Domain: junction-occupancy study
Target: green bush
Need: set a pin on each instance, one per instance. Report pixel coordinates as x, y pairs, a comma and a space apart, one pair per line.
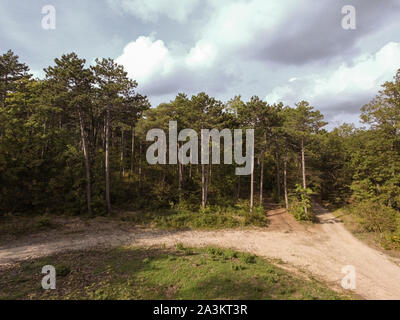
376, 217
299, 202
213, 217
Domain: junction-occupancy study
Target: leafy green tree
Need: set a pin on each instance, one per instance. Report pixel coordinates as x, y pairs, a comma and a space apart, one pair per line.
71, 82
302, 123
11, 71
376, 157
111, 83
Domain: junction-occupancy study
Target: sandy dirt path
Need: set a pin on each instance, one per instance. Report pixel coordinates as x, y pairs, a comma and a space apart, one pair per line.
322, 249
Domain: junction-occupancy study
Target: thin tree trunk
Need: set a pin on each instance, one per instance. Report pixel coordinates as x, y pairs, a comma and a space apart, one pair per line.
122, 163
252, 185
238, 189
108, 202
132, 151
140, 164
104, 135
183, 175
278, 169
203, 181
285, 179
111, 137
262, 179
303, 165
262, 159
208, 171
207, 180
179, 177
87, 163
203, 184
205, 171
209, 174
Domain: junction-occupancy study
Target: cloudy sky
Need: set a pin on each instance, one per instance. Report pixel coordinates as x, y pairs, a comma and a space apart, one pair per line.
286, 50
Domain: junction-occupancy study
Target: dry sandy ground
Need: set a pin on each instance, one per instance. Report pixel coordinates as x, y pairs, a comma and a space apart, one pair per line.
322, 249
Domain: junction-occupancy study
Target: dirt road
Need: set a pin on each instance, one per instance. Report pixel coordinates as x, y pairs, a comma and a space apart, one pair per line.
322, 249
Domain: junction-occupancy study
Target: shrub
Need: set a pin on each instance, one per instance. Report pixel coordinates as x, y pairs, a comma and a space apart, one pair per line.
376, 217
299, 202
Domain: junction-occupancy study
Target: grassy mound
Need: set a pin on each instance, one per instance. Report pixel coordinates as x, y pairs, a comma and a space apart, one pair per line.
138, 273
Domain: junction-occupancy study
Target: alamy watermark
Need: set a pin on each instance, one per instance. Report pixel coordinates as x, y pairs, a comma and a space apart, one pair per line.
349, 21
157, 152
349, 281
49, 18
49, 280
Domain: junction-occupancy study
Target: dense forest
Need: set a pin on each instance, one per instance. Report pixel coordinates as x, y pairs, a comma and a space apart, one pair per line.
75, 143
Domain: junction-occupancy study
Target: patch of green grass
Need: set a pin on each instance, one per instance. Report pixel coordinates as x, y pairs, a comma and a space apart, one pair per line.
374, 223
138, 273
212, 218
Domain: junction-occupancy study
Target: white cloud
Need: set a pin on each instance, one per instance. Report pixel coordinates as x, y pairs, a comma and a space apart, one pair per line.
230, 31
232, 25
151, 10
163, 68
203, 54
367, 74
146, 58
236, 25
363, 78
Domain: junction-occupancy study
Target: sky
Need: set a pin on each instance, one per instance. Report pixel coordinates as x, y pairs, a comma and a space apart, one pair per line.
286, 50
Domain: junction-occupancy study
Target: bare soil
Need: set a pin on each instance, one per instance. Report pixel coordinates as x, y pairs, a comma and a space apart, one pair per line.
321, 249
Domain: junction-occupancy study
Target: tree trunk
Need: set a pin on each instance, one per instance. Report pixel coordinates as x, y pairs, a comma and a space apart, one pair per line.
278, 169
205, 172
140, 164
209, 174
111, 138
122, 163
208, 179
203, 185
285, 179
303, 166
179, 177
252, 185
261, 178
262, 160
87, 163
238, 189
132, 151
108, 202
104, 135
